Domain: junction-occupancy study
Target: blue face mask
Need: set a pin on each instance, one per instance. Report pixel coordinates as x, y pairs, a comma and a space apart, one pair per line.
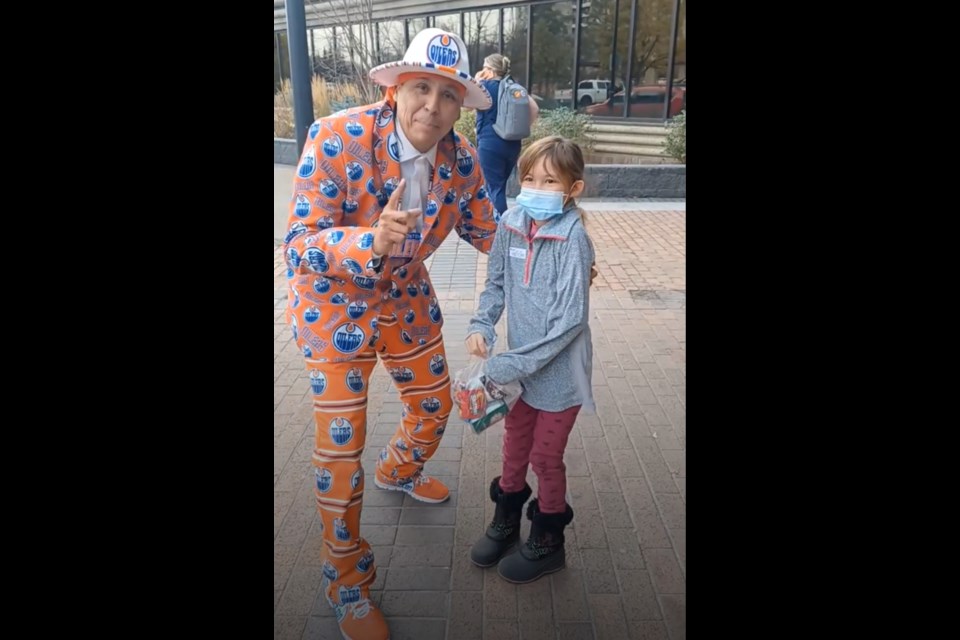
541, 205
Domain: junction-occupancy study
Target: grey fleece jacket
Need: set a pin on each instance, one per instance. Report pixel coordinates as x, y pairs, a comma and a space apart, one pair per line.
545, 284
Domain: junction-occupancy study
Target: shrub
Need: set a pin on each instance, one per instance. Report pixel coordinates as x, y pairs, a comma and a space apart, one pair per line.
467, 125
328, 97
555, 122
675, 144
565, 122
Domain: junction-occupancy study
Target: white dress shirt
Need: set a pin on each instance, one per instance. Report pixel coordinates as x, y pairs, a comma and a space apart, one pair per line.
408, 170
416, 169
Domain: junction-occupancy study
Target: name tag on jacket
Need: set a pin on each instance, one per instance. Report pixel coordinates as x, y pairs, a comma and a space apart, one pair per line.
518, 252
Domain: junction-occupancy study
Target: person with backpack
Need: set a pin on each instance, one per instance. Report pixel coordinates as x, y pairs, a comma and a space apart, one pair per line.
502, 127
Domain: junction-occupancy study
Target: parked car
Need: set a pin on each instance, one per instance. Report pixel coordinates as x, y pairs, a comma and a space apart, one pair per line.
646, 101
588, 92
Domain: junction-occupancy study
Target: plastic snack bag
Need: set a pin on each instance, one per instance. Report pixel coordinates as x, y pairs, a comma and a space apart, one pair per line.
480, 401
468, 391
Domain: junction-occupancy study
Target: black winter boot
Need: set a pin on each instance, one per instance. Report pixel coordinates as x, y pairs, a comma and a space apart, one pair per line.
543, 551
504, 532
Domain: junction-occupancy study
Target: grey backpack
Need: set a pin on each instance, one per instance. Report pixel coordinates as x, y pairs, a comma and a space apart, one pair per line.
513, 111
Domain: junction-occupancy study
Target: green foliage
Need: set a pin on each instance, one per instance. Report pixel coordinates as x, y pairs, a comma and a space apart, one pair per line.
466, 126
565, 122
675, 143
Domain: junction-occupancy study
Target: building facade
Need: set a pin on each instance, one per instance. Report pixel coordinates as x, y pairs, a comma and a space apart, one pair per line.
634, 48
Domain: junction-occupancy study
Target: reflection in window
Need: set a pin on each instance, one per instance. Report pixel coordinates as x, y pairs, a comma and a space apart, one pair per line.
680, 64
482, 36
553, 42
328, 62
346, 53
392, 46
515, 42
277, 71
651, 48
448, 22
415, 26
647, 97
605, 23
362, 46
282, 58
355, 51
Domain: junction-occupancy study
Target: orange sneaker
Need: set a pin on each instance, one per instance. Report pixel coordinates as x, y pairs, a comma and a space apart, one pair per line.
361, 620
419, 486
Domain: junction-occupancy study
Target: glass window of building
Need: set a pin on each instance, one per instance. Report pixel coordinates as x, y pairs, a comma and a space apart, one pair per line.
326, 62
651, 52
276, 64
515, 42
680, 64
392, 46
414, 26
620, 72
361, 43
604, 50
482, 36
281, 55
448, 22
553, 43
355, 51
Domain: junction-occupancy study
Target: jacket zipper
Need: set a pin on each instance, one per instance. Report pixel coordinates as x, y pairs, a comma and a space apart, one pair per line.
529, 260
528, 263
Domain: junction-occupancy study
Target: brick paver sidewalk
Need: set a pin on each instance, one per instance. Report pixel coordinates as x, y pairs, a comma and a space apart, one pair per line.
626, 550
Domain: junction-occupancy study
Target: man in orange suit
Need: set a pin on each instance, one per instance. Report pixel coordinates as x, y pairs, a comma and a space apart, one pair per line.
376, 191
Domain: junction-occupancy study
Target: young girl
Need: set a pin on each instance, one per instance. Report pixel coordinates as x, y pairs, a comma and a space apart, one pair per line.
539, 268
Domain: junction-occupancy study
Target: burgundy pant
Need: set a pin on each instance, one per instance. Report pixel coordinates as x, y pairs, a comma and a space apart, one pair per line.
537, 438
